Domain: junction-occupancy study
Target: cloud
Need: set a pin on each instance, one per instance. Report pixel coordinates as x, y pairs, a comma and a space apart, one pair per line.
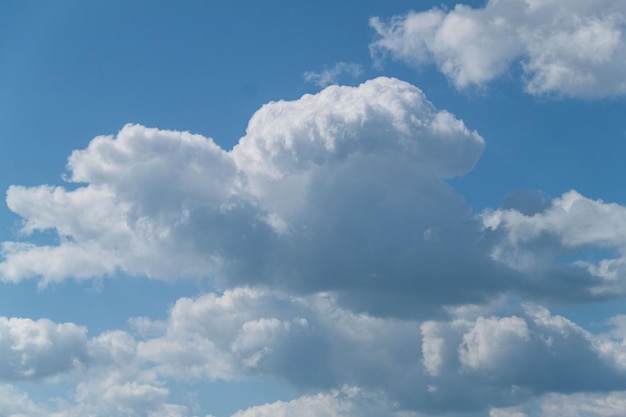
341, 190
114, 394
576, 49
513, 360
477, 362
250, 333
344, 266
584, 405
465, 364
37, 349
346, 402
586, 235
15, 403
331, 75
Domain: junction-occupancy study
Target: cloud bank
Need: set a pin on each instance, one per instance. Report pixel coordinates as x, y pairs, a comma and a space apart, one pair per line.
576, 49
346, 364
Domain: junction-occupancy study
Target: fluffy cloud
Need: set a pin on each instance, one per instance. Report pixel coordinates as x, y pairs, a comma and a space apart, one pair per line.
341, 190
515, 359
309, 343
345, 263
584, 405
37, 349
573, 49
15, 403
117, 393
585, 236
478, 362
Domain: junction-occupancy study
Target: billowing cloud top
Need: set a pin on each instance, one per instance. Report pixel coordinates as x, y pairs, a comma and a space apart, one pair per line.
573, 48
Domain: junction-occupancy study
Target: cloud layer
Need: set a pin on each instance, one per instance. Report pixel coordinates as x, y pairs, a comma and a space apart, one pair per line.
573, 49
478, 362
343, 265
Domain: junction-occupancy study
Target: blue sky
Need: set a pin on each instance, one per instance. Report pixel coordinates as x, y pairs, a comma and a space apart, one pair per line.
249, 209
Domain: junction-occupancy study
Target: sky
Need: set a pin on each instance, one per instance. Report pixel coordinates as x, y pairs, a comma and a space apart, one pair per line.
316, 209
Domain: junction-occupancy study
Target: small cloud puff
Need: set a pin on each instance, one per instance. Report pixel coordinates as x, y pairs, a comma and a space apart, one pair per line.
332, 75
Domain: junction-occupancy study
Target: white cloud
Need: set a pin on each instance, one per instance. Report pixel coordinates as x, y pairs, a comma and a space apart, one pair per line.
36, 349
331, 75
584, 405
307, 342
113, 393
15, 403
513, 360
107, 375
432, 347
576, 48
569, 225
469, 365
464, 364
506, 412
574, 219
334, 190
333, 234
491, 337
345, 402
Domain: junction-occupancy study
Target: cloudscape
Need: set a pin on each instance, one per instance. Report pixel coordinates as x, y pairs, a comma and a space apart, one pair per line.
317, 210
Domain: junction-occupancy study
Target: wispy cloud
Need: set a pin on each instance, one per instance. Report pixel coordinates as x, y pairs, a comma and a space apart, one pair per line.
332, 75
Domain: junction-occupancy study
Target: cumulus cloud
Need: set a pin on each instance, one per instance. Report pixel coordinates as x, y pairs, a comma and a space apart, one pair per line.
309, 343
331, 75
116, 394
478, 362
586, 235
465, 364
36, 349
15, 403
574, 49
341, 190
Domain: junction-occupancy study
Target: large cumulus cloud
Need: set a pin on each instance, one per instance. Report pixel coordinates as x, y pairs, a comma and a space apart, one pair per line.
574, 48
464, 364
342, 190
37, 349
